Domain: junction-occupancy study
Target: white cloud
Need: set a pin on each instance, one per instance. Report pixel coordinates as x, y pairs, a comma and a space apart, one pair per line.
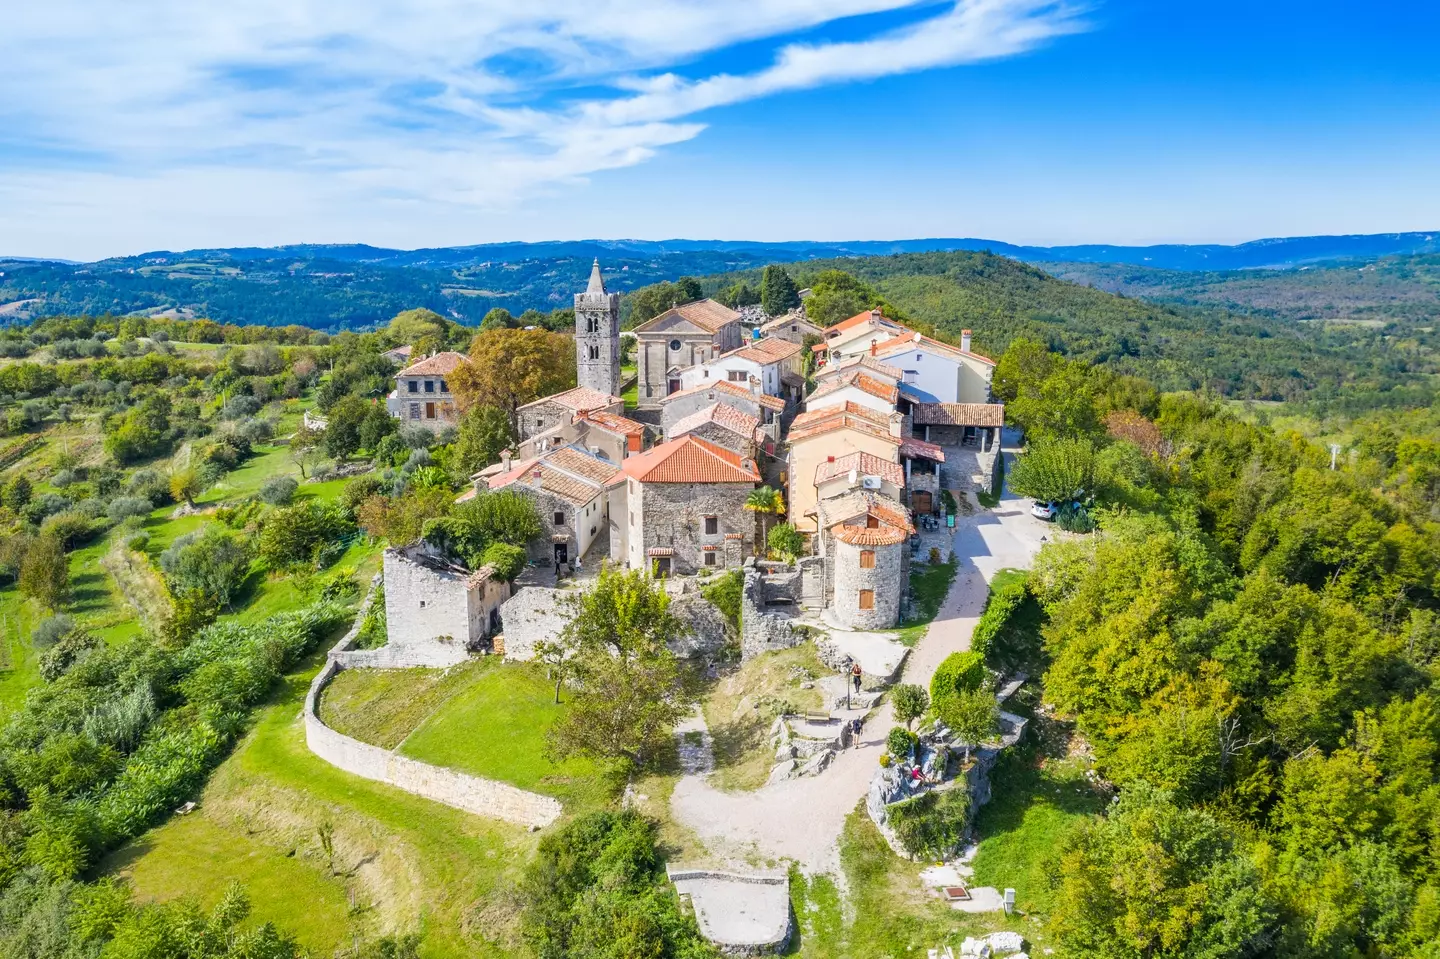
481, 104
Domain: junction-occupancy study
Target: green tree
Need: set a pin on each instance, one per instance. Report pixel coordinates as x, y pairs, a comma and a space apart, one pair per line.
509, 368
342, 427
415, 326
213, 562
508, 561
777, 291
909, 702
306, 447
972, 715
484, 432
45, 572
377, 424
498, 319
762, 502
1054, 470
293, 536
785, 540
961, 671
185, 485
16, 493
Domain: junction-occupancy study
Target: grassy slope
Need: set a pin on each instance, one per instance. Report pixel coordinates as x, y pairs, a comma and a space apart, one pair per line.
928, 586
383, 706
740, 708
405, 863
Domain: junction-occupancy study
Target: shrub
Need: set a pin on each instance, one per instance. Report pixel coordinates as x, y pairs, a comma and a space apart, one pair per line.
415, 437
68, 651
238, 407
374, 632
900, 741
724, 594
785, 540
909, 702
359, 489
123, 507
278, 490
51, 630
63, 479
298, 535
885, 761
957, 673
137, 541
508, 560
150, 484
1001, 605
70, 528
46, 504
212, 562
932, 824
391, 450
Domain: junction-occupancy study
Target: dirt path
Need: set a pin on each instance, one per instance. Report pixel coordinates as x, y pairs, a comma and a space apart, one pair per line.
801, 819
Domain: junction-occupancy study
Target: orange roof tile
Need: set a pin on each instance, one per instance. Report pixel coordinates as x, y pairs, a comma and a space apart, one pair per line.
860, 318
572, 475
581, 399
706, 314
614, 422
825, 412
721, 414
690, 459
923, 449
856, 535
770, 349
866, 464
860, 360
437, 365
958, 414
770, 402
904, 344
858, 379
841, 422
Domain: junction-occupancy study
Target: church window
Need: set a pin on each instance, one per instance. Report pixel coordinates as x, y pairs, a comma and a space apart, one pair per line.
675, 345
592, 324
594, 352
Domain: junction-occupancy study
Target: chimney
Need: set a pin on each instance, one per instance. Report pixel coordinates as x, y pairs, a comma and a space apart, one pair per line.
965, 340
874, 345
877, 314
505, 460
829, 459
897, 424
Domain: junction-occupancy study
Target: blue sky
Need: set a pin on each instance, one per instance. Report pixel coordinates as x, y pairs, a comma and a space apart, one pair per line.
157, 124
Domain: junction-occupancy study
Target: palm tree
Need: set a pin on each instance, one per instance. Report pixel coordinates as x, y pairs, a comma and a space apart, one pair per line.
762, 502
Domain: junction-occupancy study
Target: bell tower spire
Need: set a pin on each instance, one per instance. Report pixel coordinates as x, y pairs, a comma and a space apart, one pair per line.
597, 335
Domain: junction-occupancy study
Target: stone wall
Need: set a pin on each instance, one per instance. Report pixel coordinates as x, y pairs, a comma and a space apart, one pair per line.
541, 416
760, 629
427, 611
724, 438
706, 630
673, 517
483, 797
885, 581
533, 614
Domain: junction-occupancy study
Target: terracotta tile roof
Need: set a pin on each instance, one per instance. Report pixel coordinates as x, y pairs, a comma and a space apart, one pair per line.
861, 381
904, 344
958, 414
860, 318
866, 464
837, 510
786, 320
810, 417
770, 349
614, 422
572, 460
660, 551
437, 365
771, 402
857, 535
469, 494
690, 459
921, 449
572, 475
706, 314
400, 352
580, 399
721, 414
842, 421
864, 360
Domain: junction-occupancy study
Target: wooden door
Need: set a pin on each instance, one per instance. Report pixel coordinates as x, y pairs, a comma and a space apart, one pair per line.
921, 501
429, 411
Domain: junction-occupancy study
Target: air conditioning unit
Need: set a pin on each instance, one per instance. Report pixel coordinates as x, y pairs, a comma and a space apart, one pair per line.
871, 482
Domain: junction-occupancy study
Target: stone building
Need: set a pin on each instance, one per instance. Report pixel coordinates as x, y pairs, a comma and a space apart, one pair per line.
608, 436
558, 409
422, 393
568, 487
792, 326
437, 612
680, 507
743, 397
867, 558
772, 364
858, 386
678, 338
969, 434
597, 336
722, 425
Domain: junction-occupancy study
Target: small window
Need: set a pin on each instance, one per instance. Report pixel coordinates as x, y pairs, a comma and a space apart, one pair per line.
444, 387
414, 411
592, 325
738, 376
911, 376
872, 523
414, 385
429, 386
712, 525
594, 352
867, 599
559, 518
709, 559
422, 604
675, 345
867, 559
539, 422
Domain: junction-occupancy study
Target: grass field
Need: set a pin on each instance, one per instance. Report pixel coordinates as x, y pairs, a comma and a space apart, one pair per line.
928, 586
383, 706
402, 863
495, 725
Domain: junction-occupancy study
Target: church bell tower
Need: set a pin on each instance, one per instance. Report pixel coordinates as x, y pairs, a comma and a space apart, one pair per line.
597, 336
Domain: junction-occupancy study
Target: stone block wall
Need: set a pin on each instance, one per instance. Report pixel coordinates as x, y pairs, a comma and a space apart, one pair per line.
761, 630
427, 611
533, 614
886, 581
673, 516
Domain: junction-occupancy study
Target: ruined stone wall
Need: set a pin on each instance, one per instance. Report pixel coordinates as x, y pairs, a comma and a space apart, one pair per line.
533, 614
760, 629
427, 612
674, 518
886, 581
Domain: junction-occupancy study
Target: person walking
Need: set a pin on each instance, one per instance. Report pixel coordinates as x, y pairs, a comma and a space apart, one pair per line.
855, 674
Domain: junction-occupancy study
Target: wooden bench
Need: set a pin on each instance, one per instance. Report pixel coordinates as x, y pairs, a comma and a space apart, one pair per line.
817, 717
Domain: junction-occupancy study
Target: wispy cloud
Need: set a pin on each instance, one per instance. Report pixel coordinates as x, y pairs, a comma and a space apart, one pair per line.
482, 103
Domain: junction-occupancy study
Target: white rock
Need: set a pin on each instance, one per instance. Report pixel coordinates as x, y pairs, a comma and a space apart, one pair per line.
1004, 943
817, 763
782, 771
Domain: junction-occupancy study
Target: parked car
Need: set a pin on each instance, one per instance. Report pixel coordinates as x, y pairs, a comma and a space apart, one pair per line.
1044, 510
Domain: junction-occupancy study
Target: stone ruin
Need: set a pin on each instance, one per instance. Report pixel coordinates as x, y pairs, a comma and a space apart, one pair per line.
769, 602
805, 747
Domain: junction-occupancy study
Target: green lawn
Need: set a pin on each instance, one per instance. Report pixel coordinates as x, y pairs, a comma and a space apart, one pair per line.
383, 706
1033, 807
928, 587
495, 727
19, 662
402, 863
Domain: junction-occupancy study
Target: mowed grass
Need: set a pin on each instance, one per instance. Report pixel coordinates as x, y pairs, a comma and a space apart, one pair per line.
19, 661
494, 726
383, 706
1035, 804
402, 863
928, 588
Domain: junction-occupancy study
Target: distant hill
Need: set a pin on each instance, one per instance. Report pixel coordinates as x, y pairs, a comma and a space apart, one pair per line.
351, 286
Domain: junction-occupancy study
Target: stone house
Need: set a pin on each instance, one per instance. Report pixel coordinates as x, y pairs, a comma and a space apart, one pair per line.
558, 409
867, 559
936, 372
422, 393
680, 507
856, 385
969, 434
568, 486
748, 400
678, 338
774, 364
842, 475
436, 612
792, 326
722, 425
400, 355
608, 436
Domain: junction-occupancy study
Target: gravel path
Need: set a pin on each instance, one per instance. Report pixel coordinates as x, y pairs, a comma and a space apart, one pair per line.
801, 819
